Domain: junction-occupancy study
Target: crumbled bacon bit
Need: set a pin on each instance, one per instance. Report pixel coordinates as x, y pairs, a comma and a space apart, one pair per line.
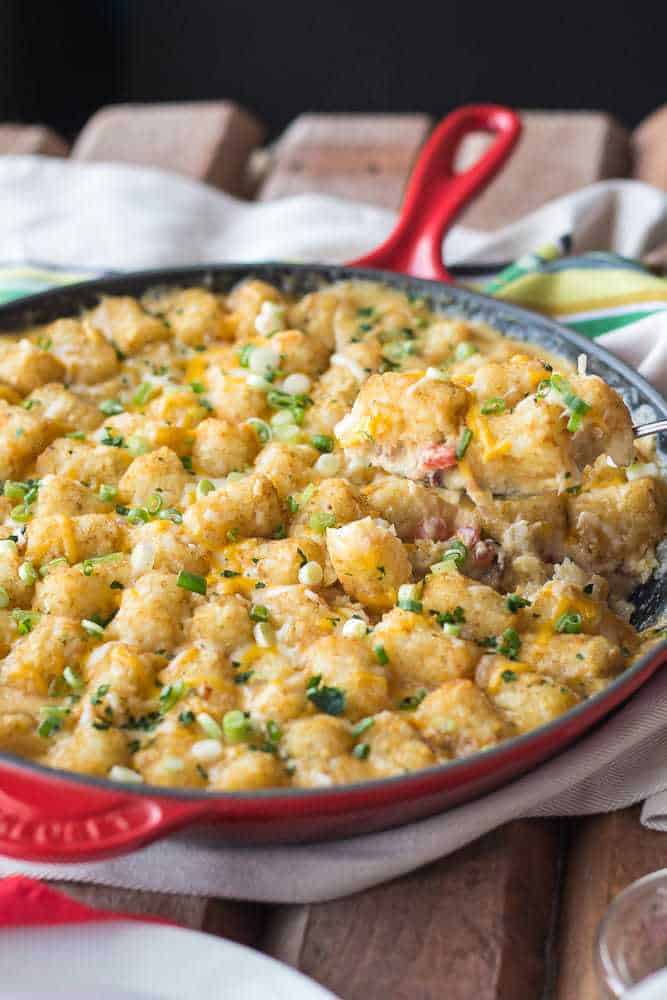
469, 535
485, 553
434, 528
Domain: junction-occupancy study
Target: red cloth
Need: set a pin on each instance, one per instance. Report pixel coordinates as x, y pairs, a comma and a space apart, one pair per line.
26, 902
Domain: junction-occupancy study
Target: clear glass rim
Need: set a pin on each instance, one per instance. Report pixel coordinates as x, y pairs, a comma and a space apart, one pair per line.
607, 967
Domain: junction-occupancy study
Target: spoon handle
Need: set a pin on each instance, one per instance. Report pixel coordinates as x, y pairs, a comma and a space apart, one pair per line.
643, 430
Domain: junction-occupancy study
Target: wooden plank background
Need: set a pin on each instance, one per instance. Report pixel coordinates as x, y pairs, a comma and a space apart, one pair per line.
513, 915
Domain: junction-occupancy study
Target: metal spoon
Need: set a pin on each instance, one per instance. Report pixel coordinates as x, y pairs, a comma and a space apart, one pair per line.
655, 427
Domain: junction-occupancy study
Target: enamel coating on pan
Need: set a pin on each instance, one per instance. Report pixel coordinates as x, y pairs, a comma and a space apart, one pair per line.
49, 815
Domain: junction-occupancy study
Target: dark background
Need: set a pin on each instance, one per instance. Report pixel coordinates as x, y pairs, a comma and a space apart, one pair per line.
61, 61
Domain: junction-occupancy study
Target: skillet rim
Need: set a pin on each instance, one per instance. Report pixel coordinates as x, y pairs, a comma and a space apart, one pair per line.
67, 299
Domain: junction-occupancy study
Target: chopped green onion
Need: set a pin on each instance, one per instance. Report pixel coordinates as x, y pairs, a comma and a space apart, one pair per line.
53, 718
516, 601
450, 629
76, 436
274, 735
263, 635
72, 678
261, 429
323, 442
292, 504
413, 701
138, 515
361, 751
236, 726
137, 445
28, 573
321, 521
465, 350
409, 605
574, 423
51, 565
14, 490
508, 676
258, 613
111, 407
154, 503
244, 355
170, 695
381, 655
108, 493
25, 620
144, 393
296, 403
170, 514
454, 556
307, 493
575, 405
33, 490
22, 512
464, 441
88, 565
493, 405
111, 439
191, 581
243, 677
362, 726
204, 487
198, 387
455, 617
91, 627
208, 725
570, 623
330, 700
511, 644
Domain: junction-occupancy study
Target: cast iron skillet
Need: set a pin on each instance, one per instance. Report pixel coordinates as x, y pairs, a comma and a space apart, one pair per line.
49, 815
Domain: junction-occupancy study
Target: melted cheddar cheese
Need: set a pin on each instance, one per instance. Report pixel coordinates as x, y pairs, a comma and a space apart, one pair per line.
250, 540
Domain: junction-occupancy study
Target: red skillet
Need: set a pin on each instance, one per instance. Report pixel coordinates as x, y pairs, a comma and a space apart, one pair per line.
48, 815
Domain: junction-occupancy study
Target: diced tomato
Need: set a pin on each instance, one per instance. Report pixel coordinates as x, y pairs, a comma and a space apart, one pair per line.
439, 456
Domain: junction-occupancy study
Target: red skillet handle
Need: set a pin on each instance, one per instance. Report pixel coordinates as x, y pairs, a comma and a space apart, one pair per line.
436, 195
51, 821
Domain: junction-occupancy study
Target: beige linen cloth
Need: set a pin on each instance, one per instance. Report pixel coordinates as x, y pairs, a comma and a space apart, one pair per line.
101, 217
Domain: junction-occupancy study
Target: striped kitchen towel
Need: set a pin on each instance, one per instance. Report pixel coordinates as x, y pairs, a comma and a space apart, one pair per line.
593, 293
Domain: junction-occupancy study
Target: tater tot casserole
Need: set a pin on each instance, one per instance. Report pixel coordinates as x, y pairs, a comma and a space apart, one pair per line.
257, 540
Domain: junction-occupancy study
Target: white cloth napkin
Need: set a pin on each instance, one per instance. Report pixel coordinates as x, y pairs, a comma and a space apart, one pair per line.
117, 217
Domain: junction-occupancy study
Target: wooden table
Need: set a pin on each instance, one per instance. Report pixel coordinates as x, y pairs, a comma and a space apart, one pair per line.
512, 916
